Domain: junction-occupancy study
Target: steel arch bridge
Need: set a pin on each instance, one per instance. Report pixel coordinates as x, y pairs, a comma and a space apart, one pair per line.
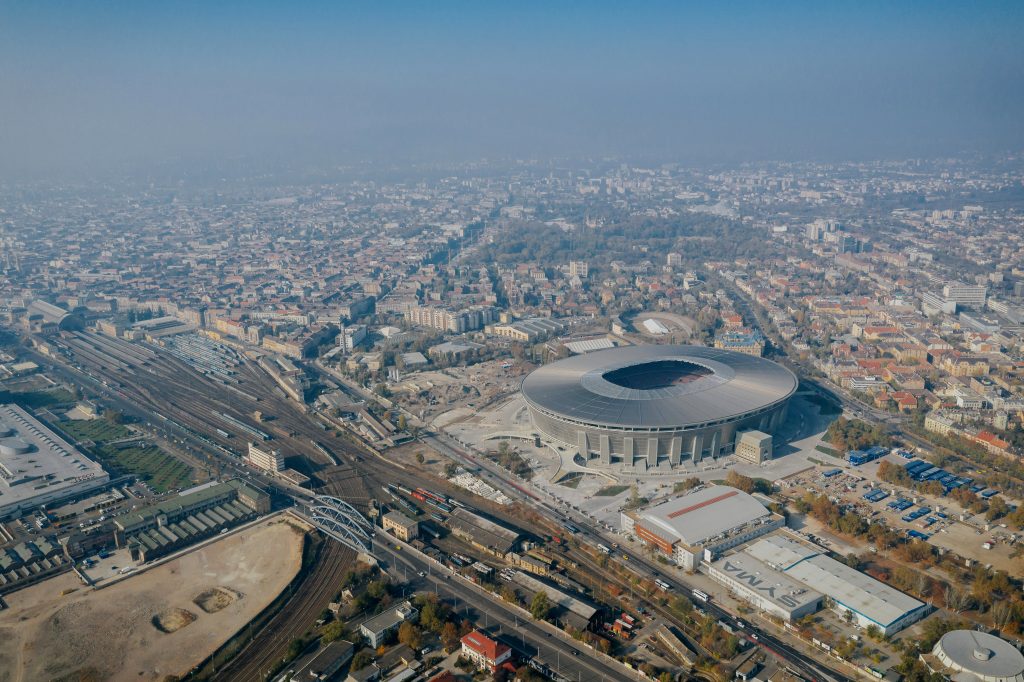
340, 520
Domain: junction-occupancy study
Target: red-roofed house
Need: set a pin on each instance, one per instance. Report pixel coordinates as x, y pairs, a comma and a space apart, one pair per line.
905, 400
486, 653
992, 443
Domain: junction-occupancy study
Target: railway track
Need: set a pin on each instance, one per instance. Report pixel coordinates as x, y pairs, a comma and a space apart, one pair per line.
168, 386
295, 618
298, 615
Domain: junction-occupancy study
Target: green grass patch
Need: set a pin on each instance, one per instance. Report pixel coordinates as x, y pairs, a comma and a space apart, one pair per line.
611, 490
33, 400
96, 430
831, 452
151, 464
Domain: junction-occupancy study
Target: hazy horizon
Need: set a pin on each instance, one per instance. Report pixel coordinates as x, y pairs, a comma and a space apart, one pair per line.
89, 89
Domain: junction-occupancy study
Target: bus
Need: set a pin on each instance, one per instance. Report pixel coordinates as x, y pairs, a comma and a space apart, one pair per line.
604, 549
662, 585
701, 595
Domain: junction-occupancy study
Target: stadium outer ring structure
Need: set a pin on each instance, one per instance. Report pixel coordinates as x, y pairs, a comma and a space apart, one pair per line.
639, 408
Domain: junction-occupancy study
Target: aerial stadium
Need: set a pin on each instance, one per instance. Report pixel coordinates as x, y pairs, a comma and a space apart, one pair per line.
642, 408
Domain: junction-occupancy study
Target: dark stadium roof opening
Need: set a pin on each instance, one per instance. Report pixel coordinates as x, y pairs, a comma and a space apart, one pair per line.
658, 374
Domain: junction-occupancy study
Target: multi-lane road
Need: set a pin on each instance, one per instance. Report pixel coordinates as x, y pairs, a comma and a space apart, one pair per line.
594, 534
190, 399
531, 639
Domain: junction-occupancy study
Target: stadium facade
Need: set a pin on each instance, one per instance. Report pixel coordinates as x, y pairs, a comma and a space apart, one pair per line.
641, 408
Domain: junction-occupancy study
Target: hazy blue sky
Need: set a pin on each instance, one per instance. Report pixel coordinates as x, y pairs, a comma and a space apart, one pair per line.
93, 84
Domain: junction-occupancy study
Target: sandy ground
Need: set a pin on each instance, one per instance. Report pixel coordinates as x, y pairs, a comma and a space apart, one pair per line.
112, 634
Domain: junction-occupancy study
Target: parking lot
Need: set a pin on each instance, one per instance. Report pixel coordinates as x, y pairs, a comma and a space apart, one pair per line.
936, 519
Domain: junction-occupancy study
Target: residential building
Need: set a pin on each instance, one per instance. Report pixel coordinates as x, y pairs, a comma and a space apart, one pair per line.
485, 653
378, 629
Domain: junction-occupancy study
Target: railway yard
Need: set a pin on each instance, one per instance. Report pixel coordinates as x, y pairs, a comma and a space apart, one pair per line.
182, 405
204, 402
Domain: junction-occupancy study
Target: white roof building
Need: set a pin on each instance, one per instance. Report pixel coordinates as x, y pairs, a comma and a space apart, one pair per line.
705, 514
39, 467
871, 601
702, 524
971, 656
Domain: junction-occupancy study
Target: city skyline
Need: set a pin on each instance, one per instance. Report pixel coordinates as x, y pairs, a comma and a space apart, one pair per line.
122, 86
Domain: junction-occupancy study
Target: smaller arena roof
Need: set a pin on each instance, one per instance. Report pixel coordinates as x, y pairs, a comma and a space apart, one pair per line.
702, 515
973, 655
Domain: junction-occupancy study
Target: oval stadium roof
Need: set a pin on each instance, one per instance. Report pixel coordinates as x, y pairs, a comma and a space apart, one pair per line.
658, 386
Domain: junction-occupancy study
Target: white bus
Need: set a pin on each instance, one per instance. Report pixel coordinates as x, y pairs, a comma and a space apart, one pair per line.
604, 549
703, 596
662, 585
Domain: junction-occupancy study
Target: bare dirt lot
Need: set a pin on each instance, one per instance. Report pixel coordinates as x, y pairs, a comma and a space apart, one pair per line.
156, 623
216, 599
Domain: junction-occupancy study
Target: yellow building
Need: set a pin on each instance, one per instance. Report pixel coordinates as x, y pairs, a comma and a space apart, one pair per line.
401, 526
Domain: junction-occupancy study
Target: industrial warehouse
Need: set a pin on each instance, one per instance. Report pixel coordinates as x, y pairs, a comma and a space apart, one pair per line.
38, 467
788, 579
780, 576
195, 514
701, 525
649, 408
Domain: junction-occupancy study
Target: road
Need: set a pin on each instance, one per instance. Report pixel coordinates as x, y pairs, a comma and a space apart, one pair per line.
529, 638
594, 534
353, 484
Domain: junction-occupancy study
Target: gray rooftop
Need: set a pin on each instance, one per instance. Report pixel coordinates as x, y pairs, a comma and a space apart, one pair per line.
35, 461
768, 582
985, 656
704, 514
852, 589
658, 386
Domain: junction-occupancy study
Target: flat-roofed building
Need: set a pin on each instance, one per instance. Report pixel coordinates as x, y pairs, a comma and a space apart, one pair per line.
39, 467
702, 524
379, 628
870, 601
754, 447
265, 459
765, 588
400, 525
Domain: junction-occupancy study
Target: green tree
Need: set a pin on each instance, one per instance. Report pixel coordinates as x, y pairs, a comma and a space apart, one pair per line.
540, 606
295, 648
362, 659
334, 631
